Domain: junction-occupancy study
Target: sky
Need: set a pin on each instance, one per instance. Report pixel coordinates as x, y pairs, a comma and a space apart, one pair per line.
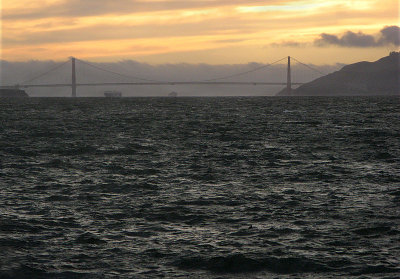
199, 31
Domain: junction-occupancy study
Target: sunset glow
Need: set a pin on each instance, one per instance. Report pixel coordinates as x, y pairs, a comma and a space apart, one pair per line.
164, 31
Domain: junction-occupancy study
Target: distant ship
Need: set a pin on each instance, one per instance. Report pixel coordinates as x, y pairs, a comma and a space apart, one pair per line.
13, 93
173, 94
113, 94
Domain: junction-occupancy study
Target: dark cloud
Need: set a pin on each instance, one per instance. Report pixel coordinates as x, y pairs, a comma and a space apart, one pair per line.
389, 35
349, 39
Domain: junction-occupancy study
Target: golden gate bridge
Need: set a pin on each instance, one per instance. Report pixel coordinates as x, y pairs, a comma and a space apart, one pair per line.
143, 81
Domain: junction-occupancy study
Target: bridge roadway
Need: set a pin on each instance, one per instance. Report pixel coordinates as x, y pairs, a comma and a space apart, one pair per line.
153, 83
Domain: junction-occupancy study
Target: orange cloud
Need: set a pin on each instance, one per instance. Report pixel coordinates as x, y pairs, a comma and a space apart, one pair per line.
107, 29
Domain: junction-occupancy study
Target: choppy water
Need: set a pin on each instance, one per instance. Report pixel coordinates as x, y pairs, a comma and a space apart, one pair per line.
200, 188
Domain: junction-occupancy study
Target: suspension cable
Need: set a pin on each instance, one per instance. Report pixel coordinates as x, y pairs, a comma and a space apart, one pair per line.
312, 68
243, 73
207, 80
152, 80
45, 73
115, 73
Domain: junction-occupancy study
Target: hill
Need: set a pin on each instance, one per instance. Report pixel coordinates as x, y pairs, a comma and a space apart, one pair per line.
381, 77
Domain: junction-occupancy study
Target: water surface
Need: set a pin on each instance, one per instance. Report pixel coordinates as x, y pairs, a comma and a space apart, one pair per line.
200, 187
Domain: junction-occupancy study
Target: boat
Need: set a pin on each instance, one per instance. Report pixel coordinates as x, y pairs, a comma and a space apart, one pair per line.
173, 94
112, 94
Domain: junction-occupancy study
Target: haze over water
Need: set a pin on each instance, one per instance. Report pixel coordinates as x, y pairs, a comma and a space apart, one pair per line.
234, 187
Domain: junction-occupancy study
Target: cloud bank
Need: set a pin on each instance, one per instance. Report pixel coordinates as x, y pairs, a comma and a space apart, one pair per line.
389, 35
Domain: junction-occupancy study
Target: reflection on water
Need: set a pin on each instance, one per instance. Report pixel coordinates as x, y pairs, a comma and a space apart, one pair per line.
200, 188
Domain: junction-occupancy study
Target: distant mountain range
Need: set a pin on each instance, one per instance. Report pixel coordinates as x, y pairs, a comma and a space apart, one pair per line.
381, 77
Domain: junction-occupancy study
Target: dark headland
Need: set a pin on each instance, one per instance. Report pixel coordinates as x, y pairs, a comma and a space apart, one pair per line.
13, 93
380, 78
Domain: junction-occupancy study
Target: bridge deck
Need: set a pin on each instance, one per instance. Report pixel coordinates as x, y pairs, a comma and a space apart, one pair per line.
155, 83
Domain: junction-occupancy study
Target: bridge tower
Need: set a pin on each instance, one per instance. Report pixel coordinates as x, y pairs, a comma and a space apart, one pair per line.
73, 82
289, 79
